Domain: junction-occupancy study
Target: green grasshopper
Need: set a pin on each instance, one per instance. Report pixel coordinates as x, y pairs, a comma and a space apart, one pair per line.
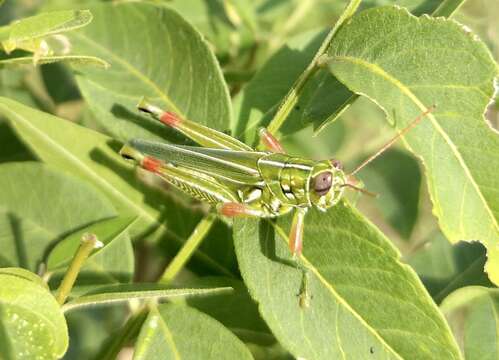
239, 181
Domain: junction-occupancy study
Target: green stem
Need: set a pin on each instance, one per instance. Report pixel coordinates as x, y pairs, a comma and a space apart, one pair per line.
124, 336
188, 249
293, 95
88, 243
291, 98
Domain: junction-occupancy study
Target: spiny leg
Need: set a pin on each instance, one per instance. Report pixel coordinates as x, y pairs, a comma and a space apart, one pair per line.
198, 133
270, 142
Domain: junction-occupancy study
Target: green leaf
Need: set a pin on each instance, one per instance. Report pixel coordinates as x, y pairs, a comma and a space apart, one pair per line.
169, 63
77, 60
357, 288
329, 100
142, 291
112, 263
239, 312
405, 79
38, 206
106, 231
32, 322
397, 178
35, 27
472, 312
445, 267
176, 331
24, 274
94, 157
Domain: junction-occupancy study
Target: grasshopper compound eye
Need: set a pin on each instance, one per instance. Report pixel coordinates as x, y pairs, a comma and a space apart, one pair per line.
322, 183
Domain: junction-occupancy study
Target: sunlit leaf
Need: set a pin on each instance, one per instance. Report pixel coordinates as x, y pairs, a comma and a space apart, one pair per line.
176, 331
169, 63
21, 32
357, 291
458, 148
38, 206
472, 313
32, 322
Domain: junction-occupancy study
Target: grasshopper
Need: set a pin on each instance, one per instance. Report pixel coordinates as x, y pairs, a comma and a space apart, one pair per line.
239, 181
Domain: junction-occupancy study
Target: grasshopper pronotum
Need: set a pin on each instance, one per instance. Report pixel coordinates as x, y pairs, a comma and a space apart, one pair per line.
240, 181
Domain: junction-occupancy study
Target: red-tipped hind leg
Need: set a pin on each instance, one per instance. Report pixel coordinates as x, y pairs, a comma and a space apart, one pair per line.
270, 142
233, 209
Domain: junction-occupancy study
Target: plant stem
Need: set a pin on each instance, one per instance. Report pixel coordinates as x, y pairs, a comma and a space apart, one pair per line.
88, 243
124, 336
291, 98
293, 95
188, 249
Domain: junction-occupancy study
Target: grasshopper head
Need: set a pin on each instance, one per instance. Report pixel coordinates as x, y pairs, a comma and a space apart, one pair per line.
327, 184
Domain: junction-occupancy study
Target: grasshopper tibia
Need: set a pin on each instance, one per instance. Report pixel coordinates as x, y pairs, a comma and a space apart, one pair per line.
296, 233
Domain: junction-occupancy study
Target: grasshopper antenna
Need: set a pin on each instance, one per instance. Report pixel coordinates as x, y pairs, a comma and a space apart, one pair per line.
364, 191
393, 140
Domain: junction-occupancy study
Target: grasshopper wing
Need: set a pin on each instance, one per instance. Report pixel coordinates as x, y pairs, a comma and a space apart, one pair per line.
238, 167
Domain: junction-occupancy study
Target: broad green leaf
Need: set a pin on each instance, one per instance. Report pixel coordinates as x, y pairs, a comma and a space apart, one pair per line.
78, 60
458, 148
327, 102
20, 32
363, 302
32, 322
473, 313
445, 267
106, 231
123, 293
238, 313
112, 263
24, 274
169, 63
94, 157
38, 206
180, 332
397, 178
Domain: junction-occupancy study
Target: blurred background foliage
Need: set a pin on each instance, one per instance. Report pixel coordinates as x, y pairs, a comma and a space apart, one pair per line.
247, 37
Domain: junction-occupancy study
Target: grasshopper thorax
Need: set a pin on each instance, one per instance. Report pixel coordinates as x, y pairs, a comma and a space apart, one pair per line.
327, 183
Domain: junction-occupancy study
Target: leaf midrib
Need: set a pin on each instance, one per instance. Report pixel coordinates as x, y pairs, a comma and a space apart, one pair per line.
338, 297
376, 69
